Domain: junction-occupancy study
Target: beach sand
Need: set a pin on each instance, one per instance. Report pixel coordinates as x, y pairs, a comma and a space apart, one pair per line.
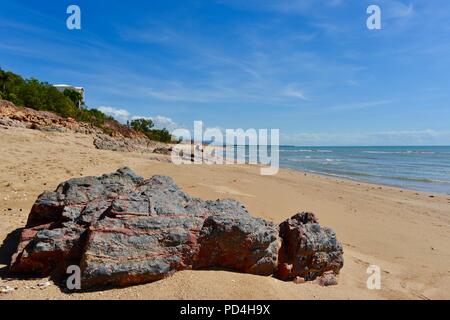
405, 233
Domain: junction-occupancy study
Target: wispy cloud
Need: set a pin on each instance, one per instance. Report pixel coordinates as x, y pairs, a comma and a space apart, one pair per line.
283, 6
295, 92
265, 59
122, 115
398, 9
359, 105
160, 122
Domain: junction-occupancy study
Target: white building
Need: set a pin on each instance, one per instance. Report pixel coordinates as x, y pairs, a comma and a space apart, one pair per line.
62, 87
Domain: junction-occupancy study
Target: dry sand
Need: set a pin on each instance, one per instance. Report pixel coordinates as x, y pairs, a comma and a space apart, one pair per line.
406, 233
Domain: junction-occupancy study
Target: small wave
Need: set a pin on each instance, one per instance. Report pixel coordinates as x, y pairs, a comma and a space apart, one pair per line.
355, 174
426, 180
309, 159
399, 178
307, 150
399, 152
324, 151
337, 175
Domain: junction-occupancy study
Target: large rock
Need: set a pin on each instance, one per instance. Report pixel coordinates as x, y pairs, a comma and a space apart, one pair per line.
123, 230
57, 224
124, 144
233, 239
308, 250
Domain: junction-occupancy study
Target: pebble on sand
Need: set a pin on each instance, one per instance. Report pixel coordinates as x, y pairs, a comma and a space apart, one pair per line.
299, 280
43, 285
327, 279
6, 289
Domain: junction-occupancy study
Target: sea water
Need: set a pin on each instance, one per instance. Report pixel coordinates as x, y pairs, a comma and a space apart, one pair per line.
415, 168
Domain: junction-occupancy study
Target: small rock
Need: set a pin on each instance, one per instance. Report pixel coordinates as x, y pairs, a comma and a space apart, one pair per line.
43, 285
6, 289
299, 280
163, 150
327, 279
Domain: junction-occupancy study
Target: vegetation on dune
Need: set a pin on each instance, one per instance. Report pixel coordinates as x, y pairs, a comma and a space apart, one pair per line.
145, 126
42, 96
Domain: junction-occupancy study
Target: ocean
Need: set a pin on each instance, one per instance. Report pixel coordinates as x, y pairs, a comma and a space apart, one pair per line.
415, 168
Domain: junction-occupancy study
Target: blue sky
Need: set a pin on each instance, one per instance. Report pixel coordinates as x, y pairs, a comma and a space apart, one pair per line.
308, 67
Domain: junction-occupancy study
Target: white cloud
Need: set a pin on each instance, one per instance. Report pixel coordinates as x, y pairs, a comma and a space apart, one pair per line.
398, 9
121, 115
160, 122
293, 92
165, 122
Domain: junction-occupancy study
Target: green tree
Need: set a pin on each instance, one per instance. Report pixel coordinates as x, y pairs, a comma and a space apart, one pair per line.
74, 96
142, 125
32, 94
160, 135
3, 81
39, 95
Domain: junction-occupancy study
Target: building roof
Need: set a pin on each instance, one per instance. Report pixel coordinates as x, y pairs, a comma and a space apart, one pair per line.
67, 86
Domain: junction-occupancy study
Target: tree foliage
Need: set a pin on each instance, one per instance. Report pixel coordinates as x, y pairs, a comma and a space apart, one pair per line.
160, 135
42, 96
142, 125
146, 125
74, 96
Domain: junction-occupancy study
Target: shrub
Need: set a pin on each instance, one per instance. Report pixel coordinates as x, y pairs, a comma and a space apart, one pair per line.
146, 125
142, 125
38, 95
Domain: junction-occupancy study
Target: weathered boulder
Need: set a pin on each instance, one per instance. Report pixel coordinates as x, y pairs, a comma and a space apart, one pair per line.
163, 150
231, 238
56, 228
122, 230
308, 250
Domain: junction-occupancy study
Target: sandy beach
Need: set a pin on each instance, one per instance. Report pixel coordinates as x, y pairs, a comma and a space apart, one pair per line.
404, 232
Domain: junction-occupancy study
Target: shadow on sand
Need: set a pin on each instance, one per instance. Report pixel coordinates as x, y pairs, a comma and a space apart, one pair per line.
7, 249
